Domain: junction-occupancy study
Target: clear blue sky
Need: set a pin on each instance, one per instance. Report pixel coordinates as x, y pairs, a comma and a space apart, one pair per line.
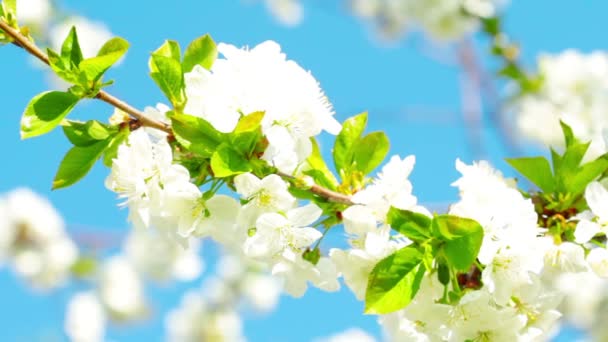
410, 94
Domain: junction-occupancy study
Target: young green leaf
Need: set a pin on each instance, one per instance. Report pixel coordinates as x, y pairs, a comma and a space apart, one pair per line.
85, 133
201, 51
110, 53
352, 129
77, 163
226, 162
568, 134
394, 281
170, 49
535, 169
414, 226
247, 133
167, 73
319, 171
196, 134
45, 111
577, 183
370, 151
463, 238
71, 53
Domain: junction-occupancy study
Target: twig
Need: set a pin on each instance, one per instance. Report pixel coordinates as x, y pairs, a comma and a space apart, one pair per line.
23, 42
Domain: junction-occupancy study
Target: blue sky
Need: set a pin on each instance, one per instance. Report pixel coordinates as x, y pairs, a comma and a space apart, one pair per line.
412, 95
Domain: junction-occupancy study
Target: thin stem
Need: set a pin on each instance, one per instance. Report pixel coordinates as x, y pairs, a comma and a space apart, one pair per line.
23, 42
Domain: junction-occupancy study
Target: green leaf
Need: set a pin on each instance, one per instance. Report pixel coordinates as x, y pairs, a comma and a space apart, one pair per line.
462, 237
85, 133
45, 111
70, 50
370, 151
450, 227
196, 134
10, 6
319, 171
410, 224
394, 281
201, 51
351, 132
167, 73
58, 65
110, 53
247, 133
535, 169
77, 163
112, 149
586, 174
569, 137
226, 162
170, 49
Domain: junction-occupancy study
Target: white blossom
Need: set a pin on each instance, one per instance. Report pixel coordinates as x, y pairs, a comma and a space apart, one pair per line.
276, 232
262, 79
297, 272
85, 318
33, 239
575, 90
444, 20
34, 12
121, 290
266, 195
163, 259
195, 320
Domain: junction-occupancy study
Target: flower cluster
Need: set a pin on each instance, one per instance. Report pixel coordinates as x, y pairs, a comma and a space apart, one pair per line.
33, 240
216, 303
574, 89
263, 80
441, 19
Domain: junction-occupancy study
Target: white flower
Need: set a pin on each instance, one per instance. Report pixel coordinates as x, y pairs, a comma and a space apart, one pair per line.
33, 239
598, 261
297, 272
574, 90
475, 318
444, 20
390, 188
564, 257
276, 232
262, 79
508, 219
289, 12
184, 323
509, 271
157, 192
262, 195
121, 290
261, 291
359, 220
163, 259
34, 12
85, 318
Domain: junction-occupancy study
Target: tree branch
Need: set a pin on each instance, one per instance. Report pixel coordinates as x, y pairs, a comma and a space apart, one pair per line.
23, 42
